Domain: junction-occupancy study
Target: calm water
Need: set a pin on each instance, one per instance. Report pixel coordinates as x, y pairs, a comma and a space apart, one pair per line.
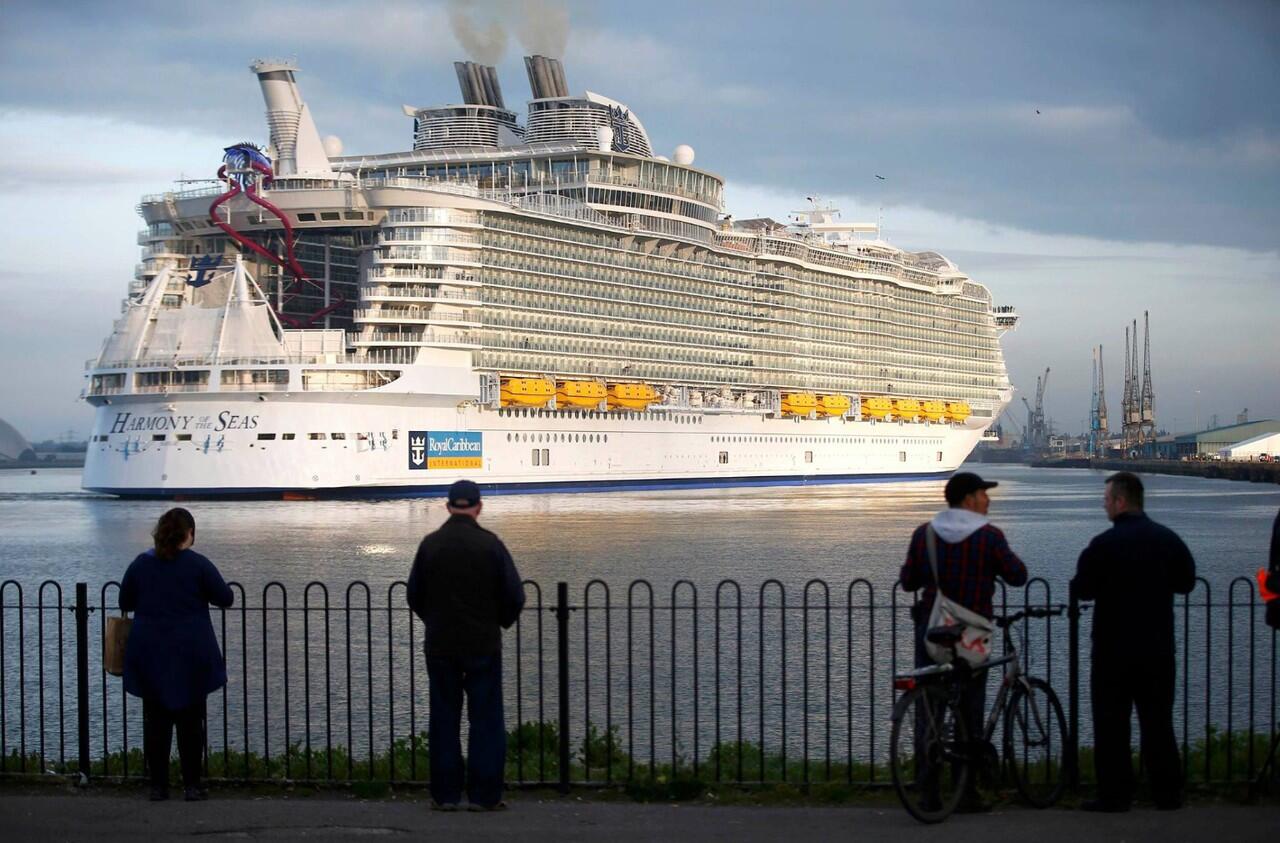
53, 530
788, 666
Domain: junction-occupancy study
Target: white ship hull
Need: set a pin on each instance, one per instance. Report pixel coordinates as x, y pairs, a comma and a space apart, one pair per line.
408, 445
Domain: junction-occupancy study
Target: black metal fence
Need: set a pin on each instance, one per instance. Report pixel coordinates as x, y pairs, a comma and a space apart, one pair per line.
692, 683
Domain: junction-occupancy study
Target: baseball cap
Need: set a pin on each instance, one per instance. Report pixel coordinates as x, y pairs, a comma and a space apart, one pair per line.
964, 483
464, 494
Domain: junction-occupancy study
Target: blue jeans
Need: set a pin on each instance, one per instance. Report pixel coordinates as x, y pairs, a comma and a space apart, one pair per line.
480, 678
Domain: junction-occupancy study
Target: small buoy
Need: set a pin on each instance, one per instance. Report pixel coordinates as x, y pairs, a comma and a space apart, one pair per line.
33, 471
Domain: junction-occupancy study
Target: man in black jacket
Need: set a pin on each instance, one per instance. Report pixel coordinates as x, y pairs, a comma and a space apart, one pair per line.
1132, 571
466, 589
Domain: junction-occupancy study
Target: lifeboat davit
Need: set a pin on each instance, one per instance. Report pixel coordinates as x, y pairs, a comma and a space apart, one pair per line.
877, 408
958, 411
526, 392
833, 405
799, 403
934, 410
630, 396
906, 408
586, 394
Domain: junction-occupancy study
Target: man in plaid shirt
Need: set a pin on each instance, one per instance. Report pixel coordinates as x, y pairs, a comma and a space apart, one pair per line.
972, 554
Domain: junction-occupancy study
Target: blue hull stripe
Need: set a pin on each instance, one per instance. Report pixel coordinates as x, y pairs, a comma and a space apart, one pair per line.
438, 490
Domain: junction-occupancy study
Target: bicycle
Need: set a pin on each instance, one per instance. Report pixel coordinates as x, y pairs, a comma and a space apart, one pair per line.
930, 753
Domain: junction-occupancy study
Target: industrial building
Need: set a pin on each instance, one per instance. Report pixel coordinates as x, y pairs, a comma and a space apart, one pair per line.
1207, 444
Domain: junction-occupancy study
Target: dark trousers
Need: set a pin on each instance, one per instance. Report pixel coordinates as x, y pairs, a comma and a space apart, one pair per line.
158, 724
480, 678
1118, 688
973, 703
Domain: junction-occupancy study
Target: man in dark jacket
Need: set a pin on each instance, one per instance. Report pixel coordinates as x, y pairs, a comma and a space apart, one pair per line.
466, 589
971, 555
1131, 572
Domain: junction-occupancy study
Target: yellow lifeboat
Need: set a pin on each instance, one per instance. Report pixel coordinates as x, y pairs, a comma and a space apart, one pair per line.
833, 405
906, 408
630, 396
878, 407
587, 394
934, 410
799, 403
526, 392
958, 411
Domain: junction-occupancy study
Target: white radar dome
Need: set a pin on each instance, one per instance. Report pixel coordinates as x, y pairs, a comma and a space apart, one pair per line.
332, 146
683, 154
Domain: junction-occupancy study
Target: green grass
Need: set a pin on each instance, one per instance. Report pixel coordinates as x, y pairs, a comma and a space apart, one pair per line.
599, 758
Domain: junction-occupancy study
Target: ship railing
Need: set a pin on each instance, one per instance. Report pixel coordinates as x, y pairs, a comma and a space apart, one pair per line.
783, 681
422, 292
429, 314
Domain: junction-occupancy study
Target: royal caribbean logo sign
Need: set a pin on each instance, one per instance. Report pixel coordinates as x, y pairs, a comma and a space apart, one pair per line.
445, 449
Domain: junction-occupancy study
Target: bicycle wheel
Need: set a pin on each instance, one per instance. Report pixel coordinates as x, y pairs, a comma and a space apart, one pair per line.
928, 753
1035, 742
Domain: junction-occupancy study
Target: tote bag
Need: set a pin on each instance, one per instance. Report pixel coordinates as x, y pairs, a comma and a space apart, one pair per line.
974, 645
117, 638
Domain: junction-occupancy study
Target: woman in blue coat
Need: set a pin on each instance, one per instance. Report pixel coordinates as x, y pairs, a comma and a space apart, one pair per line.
172, 660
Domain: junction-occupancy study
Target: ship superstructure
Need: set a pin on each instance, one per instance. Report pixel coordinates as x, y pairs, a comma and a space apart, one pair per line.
537, 307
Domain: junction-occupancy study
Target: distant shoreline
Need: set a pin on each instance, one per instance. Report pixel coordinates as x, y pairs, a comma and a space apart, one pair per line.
24, 465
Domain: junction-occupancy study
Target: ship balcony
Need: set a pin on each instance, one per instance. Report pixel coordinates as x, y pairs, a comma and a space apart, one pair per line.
423, 294
1006, 318
418, 236
409, 275
435, 339
415, 316
442, 259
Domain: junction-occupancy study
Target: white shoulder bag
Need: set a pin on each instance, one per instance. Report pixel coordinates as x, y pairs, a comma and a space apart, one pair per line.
974, 645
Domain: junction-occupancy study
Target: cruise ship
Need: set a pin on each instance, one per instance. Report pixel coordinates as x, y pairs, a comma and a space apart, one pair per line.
538, 306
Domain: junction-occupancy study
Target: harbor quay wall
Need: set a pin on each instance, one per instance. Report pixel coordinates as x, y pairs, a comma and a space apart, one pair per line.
610, 684
1256, 472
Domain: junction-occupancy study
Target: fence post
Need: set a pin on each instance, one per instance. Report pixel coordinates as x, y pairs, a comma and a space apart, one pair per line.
1073, 689
82, 677
562, 661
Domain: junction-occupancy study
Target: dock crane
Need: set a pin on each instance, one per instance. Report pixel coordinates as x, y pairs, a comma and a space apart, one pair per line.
1036, 434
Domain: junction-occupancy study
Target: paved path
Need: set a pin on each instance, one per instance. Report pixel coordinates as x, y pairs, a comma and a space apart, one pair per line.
54, 814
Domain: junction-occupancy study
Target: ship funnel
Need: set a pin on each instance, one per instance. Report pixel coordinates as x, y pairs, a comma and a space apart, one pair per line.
479, 84
546, 77
297, 144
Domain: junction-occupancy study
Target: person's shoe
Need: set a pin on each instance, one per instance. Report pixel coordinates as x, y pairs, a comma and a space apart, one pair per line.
495, 806
447, 807
195, 794
159, 794
1102, 806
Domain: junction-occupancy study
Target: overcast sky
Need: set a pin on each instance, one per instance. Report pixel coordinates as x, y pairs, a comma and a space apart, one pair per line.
1086, 161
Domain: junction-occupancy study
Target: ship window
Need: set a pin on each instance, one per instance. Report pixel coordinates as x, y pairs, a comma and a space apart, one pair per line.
157, 437
902, 456
939, 456
182, 437
315, 436
353, 215
266, 437
508, 437
338, 436
546, 456
537, 457
287, 436
306, 217
329, 215
606, 437
724, 457
395, 433
808, 456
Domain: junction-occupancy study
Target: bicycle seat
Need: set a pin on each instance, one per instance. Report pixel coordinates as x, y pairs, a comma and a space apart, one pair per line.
947, 636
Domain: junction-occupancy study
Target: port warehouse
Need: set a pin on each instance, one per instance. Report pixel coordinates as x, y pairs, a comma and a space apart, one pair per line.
1209, 443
